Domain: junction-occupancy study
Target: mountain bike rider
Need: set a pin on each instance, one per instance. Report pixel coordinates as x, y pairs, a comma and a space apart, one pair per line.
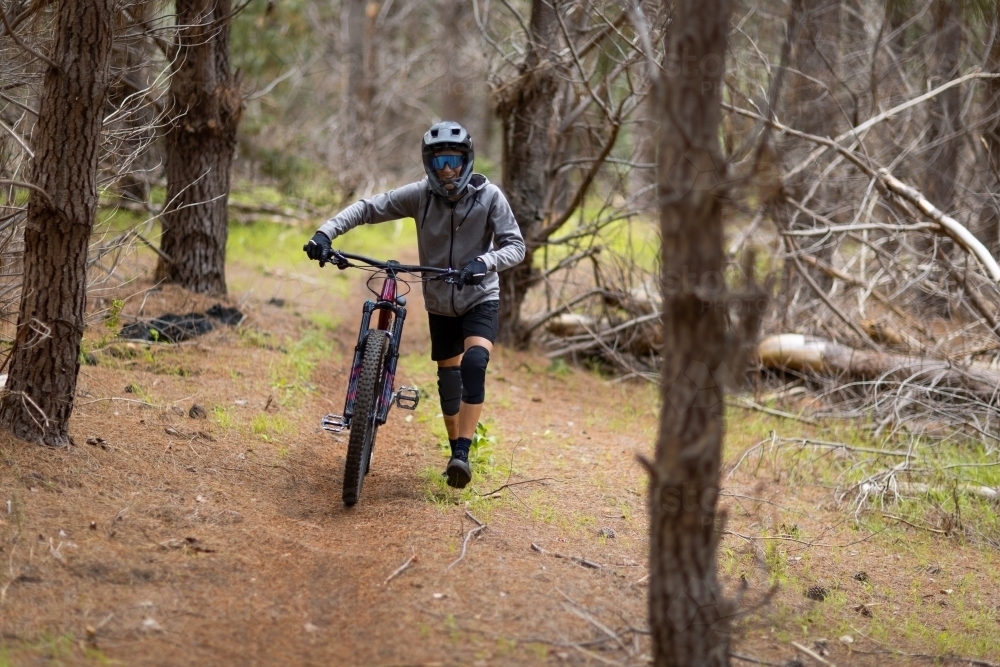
463, 221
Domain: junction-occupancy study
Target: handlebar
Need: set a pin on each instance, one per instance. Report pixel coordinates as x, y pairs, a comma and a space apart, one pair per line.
392, 266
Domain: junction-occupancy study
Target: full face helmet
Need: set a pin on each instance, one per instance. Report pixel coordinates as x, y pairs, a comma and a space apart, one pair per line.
447, 136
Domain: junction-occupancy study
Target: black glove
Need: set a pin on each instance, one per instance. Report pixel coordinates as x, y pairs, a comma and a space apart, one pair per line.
319, 248
473, 273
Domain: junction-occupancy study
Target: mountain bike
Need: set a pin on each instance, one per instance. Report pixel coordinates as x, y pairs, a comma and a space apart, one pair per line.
370, 391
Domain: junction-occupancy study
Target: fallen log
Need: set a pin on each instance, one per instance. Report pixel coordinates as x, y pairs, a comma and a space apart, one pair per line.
809, 353
918, 488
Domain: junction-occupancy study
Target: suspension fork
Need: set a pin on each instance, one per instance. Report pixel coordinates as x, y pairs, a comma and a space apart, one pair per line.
387, 307
385, 402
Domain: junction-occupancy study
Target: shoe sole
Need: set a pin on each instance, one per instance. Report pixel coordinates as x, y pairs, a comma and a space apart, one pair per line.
459, 474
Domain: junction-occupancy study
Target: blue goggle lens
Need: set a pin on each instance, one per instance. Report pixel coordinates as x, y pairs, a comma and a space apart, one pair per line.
442, 161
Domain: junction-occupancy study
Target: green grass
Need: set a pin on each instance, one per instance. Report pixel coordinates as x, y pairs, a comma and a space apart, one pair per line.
223, 416
904, 614
291, 374
267, 426
636, 240
272, 245
485, 471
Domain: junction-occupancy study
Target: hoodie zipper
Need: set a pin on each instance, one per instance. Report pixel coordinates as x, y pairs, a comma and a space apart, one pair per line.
451, 257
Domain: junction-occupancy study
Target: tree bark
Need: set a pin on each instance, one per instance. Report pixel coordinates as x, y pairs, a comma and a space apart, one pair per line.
526, 112
815, 56
812, 98
989, 224
941, 157
361, 56
136, 122
455, 88
44, 364
687, 612
200, 144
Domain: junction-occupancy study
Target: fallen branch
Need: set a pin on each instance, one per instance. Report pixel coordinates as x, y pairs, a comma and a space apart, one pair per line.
812, 654
582, 613
509, 485
810, 353
917, 488
949, 226
538, 320
850, 280
468, 536
913, 525
747, 404
583, 562
399, 570
756, 661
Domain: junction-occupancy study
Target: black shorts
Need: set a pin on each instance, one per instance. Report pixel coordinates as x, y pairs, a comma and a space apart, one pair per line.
448, 334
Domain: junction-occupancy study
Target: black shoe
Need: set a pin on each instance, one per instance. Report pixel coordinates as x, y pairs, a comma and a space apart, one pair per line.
458, 471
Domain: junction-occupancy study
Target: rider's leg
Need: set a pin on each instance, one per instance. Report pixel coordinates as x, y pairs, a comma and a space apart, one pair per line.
450, 391
473, 367
446, 350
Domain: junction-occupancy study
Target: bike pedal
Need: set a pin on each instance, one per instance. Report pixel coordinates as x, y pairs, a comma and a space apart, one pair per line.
335, 423
407, 398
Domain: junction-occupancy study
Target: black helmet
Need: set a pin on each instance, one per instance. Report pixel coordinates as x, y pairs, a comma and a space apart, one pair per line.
447, 135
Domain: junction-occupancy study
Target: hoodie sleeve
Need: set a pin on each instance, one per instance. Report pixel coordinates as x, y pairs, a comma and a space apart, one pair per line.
402, 202
508, 244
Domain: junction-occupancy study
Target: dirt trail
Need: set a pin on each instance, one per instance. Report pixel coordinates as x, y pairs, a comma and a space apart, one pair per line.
161, 539
171, 540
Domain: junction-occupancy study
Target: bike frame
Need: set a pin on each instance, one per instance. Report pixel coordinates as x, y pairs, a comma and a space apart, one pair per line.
391, 316
391, 309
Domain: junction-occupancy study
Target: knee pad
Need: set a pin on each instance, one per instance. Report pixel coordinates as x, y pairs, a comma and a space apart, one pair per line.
474, 363
450, 389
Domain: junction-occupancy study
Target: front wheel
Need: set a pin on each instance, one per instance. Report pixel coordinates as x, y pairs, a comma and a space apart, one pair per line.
363, 426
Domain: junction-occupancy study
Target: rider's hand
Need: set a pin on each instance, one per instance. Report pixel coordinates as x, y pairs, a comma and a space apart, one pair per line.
318, 248
473, 273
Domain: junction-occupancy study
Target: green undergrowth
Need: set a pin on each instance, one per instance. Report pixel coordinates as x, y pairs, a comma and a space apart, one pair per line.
939, 487
486, 471
921, 590
52, 649
635, 240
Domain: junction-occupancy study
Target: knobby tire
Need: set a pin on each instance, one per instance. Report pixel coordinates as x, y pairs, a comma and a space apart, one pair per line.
363, 426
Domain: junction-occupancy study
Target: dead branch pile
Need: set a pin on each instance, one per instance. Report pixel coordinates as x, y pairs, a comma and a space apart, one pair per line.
866, 176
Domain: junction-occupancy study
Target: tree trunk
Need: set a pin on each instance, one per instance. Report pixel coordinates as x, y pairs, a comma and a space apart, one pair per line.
815, 56
200, 144
45, 358
135, 119
687, 613
526, 112
455, 88
941, 157
989, 224
812, 98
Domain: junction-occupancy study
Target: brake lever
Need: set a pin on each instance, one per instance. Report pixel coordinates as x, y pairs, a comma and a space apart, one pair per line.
339, 260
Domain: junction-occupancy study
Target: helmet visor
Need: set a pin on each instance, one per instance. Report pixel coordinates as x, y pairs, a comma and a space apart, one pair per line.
439, 162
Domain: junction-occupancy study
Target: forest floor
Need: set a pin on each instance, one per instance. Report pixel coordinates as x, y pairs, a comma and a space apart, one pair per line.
164, 539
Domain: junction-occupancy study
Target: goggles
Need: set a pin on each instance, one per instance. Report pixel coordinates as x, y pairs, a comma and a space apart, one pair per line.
439, 162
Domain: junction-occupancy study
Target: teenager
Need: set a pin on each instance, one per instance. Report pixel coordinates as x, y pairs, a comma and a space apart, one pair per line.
463, 222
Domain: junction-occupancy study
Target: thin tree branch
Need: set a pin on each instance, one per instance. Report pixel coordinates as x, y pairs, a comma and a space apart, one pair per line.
549, 229
17, 40
29, 186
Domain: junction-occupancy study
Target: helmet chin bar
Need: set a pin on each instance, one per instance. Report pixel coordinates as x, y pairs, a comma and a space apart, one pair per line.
448, 135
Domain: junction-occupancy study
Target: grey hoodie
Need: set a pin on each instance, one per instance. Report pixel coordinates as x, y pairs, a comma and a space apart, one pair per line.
449, 235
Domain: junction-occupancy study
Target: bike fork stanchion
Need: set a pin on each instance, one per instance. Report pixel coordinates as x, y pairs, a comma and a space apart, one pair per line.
396, 335
335, 423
